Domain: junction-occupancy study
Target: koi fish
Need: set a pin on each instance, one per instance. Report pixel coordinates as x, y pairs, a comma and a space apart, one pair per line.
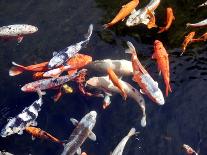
144, 80
120, 147
113, 77
82, 131
39, 133
74, 63
142, 15
202, 38
17, 31
169, 20
187, 41
152, 20
103, 83
60, 57
161, 55
189, 150
204, 4
121, 67
107, 100
123, 13
26, 118
202, 23
5, 153
50, 82
18, 69
83, 153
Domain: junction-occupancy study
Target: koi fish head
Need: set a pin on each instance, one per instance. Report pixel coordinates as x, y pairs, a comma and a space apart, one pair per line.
31, 29
157, 45
89, 120
27, 88
158, 96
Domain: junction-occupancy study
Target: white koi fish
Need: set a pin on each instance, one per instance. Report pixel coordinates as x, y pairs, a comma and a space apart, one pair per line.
82, 131
17, 31
104, 83
120, 147
25, 119
142, 15
60, 57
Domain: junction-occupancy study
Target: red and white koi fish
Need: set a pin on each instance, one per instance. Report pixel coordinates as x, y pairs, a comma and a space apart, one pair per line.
187, 41
82, 131
169, 20
202, 23
123, 13
121, 67
120, 147
18, 69
17, 31
144, 80
104, 83
49, 83
115, 80
39, 133
161, 55
189, 150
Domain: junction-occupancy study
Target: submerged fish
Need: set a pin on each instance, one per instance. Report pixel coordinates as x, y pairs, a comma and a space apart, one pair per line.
17, 31
120, 147
142, 15
187, 41
50, 82
82, 131
123, 13
161, 55
169, 19
202, 23
39, 133
204, 4
152, 20
104, 83
121, 67
144, 80
189, 150
115, 80
18, 69
107, 100
201, 38
60, 57
26, 118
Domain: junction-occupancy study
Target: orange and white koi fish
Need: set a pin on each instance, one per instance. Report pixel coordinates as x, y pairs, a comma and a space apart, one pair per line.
161, 55
187, 41
18, 69
17, 31
202, 38
103, 83
169, 20
189, 150
144, 80
113, 77
152, 20
39, 133
121, 67
123, 13
202, 23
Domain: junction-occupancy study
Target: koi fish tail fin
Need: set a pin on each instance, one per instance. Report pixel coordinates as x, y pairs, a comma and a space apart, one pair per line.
90, 32
162, 29
131, 132
16, 69
131, 48
108, 25
168, 89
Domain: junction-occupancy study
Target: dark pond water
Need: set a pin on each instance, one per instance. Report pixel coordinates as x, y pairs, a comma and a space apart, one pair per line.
63, 22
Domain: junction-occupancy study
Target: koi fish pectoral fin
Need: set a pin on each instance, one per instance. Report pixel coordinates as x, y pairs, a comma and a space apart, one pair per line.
74, 121
54, 53
78, 151
141, 91
19, 39
92, 136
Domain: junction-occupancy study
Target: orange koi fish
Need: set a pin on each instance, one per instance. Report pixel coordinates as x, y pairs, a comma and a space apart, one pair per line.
187, 41
202, 38
143, 79
152, 20
39, 133
18, 69
113, 77
161, 55
169, 20
124, 12
189, 150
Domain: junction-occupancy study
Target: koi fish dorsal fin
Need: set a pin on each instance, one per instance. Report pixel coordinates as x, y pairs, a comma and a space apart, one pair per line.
92, 136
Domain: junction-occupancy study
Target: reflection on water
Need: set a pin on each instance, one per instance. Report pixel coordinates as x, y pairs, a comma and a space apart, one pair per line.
62, 22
